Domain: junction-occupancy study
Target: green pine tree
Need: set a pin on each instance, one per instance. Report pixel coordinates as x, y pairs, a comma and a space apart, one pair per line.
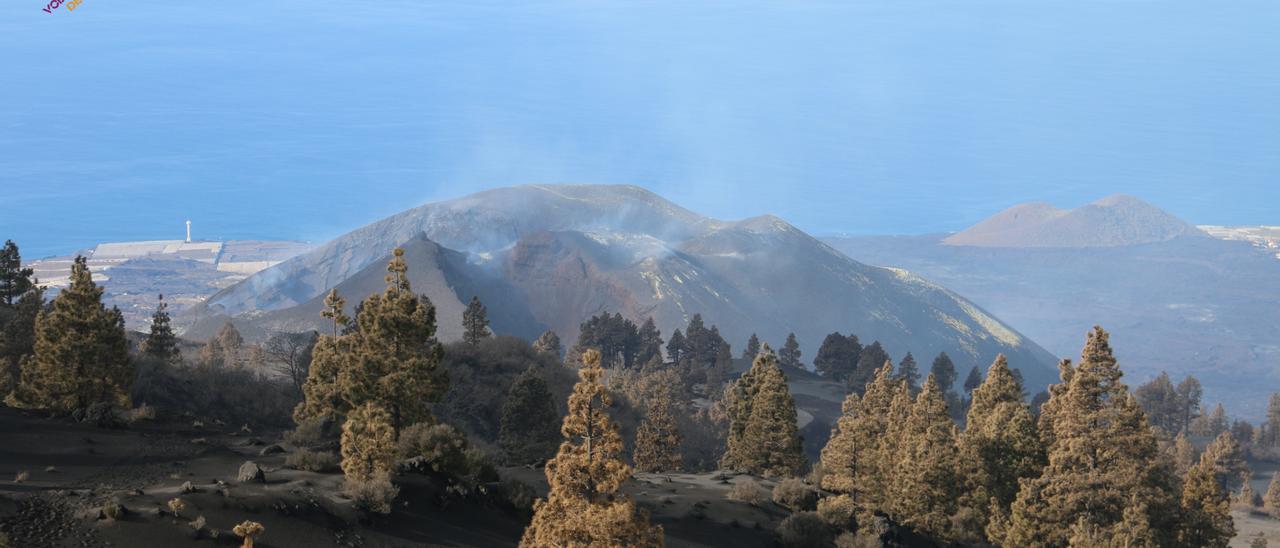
944, 370
789, 354
909, 372
18, 339
81, 355
1206, 504
926, 486
161, 343
850, 460
528, 430
15, 281
475, 321
753, 347
1103, 460
763, 437
549, 343
999, 447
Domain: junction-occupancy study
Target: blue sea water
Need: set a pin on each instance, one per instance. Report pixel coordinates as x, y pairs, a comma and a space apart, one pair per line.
292, 119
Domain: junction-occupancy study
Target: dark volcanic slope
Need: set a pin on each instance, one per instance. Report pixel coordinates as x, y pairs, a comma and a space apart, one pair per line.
563, 253
1187, 305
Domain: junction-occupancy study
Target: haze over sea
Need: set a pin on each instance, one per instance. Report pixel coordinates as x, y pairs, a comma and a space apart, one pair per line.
290, 119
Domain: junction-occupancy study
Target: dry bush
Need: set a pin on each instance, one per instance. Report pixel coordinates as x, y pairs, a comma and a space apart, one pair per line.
374, 495
313, 432
837, 511
804, 530
312, 461
437, 448
519, 495
748, 491
795, 495
113, 510
858, 540
21, 476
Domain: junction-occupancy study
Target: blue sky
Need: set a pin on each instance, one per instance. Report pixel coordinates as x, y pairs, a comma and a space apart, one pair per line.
290, 119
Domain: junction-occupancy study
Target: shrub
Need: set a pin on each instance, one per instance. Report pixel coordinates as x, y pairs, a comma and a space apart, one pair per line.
177, 506
859, 540
113, 510
312, 461
231, 395
249, 530
519, 495
795, 495
21, 476
438, 448
372, 495
313, 432
804, 530
748, 491
837, 511
198, 525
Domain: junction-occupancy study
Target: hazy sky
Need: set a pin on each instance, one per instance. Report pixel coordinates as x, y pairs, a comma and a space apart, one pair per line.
291, 119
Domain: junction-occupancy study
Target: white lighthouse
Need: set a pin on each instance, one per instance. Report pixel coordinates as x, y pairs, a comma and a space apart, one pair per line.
188, 231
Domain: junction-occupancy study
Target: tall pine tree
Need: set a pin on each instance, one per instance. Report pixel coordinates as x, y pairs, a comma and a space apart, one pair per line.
944, 370
475, 322
658, 438
926, 485
753, 347
15, 281
584, 507
527, 432
1103, 460
18, 339
161, 343
81, 355
789, 354
909, 372
999, 447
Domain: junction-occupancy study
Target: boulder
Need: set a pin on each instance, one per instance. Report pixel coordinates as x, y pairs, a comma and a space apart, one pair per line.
272, 449
250, 471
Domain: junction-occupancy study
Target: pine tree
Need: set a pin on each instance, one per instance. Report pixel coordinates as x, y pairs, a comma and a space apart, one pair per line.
752, 348
368, 443
849, 460
322, 396
161, 343
584, 507
763, 437
909, 372
999, 447
1103, 459
972, 381
390, 358
549, 343
475, 322
1218, 421
334, 311
15, 281
837, 358
926, 484
771, 437
81, 355
944, 370
1227, 459
870, 359
527, 431
789, 354
675, 346
1206, 504
1189, 393
1271, 500
650, 343
658, 438
18, 338
1184, 454
1159, 400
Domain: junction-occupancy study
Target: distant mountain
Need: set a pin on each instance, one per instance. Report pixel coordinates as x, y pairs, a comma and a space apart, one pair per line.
1117, 220
549, 256
1178, 301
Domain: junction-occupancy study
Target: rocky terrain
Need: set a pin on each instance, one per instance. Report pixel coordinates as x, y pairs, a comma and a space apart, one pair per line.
549, 256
